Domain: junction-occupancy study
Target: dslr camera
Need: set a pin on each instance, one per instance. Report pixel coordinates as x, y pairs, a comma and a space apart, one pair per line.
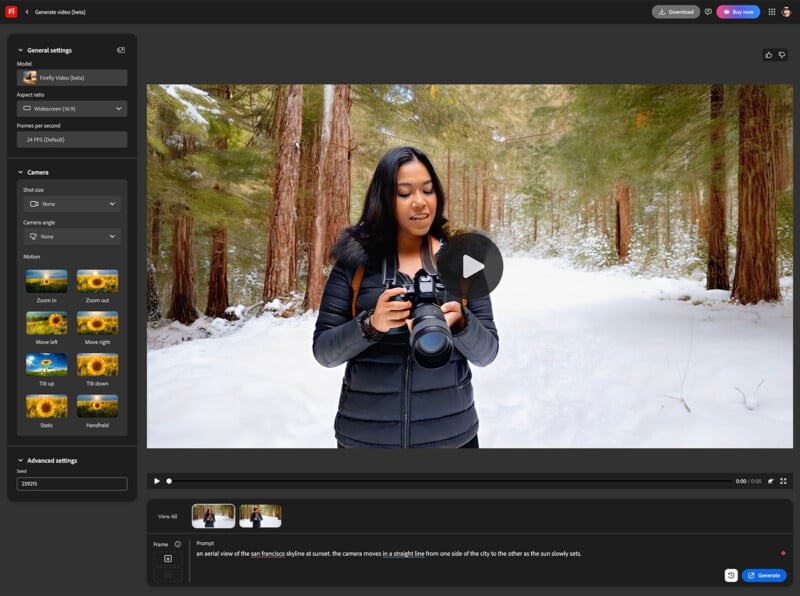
431, 340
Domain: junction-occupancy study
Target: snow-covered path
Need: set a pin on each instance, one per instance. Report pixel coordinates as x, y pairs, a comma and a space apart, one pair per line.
587, 359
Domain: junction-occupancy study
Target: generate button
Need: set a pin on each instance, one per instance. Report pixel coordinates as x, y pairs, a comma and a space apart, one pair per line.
764, 576
738, 11
676, 11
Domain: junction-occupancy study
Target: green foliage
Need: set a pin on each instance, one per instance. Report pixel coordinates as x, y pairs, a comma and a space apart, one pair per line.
785, 207
547, 156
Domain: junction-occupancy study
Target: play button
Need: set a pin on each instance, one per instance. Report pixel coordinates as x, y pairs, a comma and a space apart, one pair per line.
470, 265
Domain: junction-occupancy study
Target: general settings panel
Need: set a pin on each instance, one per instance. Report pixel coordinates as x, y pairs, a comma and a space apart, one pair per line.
71, 187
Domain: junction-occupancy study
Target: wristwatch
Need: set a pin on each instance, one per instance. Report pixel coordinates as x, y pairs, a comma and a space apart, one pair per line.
367, 330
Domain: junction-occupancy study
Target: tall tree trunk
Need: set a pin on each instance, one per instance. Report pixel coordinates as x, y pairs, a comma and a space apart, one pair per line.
781, 159
717, 269
279, 279
486, 201
153, 258
155, 232
153, 308
501, 206
465, 198
702, 221
218, 276
182, 307
336, 175
756, 274
622, 197
448, 196
332, 190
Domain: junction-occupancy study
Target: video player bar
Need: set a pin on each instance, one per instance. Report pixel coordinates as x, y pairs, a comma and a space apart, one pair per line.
460, 481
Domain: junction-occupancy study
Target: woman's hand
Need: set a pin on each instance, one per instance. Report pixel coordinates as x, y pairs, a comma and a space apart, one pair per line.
453, 315
389, 315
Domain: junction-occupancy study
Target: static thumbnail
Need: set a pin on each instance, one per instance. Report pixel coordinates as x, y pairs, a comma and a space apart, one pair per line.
46, 406
98, 281
260, 515
98, 365
46, 281
98, 406
98, 322
213, 515
46, 322
46, 364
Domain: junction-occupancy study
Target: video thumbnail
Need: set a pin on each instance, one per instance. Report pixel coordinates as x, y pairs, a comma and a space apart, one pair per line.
642, 304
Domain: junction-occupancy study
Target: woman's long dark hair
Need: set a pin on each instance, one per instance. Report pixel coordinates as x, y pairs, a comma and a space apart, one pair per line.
378, 220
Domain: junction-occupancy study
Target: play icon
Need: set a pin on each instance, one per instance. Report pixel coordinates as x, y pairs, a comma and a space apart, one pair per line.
470, 265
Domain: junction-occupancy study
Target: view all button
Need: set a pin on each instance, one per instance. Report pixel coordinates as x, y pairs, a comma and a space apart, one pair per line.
738, 11
764, 576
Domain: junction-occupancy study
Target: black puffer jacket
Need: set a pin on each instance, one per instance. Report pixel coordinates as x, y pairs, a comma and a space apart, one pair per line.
387, 400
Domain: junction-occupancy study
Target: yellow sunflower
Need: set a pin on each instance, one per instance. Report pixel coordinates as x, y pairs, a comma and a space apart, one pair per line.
96, 367
97, 324
56, 321
97, 405
45, 408
97, 282
46, 362
46, 281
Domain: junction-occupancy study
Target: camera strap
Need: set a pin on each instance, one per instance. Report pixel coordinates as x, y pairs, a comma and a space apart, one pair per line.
428, 263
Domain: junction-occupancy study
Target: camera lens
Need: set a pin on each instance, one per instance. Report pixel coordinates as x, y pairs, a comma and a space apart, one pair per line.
431, 340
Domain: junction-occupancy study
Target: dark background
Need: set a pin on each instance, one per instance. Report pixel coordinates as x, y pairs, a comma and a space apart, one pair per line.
99, 548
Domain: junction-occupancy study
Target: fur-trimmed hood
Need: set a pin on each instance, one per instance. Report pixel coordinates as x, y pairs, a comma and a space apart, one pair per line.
350, 249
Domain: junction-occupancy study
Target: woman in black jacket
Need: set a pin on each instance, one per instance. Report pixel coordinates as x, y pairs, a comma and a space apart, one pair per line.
387, 399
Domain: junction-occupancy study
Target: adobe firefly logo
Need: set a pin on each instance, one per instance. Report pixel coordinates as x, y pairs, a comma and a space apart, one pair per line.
11, 12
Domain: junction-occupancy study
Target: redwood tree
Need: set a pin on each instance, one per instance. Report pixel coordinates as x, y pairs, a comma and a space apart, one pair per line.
218, 275
717, 269
182, 307
756, 274
332, 205
622, 197
279, 279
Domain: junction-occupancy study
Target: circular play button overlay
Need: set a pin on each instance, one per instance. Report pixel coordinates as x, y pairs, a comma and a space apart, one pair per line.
470, 265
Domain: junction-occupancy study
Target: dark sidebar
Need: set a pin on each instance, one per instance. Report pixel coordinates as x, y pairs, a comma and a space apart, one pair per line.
71, 183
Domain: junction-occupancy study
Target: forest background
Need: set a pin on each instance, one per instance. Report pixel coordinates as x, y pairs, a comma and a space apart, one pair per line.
249, 185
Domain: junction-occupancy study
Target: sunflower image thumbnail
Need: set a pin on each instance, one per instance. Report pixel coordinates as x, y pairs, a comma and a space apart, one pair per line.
46, 364
46, 281
98, 322
46, 406
45, 322
98, 281
98, 365
98, 406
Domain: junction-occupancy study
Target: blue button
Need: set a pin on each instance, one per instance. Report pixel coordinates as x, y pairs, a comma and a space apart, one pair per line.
764, 576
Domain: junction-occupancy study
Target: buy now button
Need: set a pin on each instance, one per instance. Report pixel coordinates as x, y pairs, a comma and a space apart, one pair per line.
738, 11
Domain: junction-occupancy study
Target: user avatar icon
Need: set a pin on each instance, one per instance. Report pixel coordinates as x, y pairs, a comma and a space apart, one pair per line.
29, 77
786, 12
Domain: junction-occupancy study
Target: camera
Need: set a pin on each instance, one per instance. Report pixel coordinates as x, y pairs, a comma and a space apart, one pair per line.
431, 340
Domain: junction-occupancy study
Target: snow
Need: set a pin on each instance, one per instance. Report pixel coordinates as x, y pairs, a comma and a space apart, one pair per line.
267, 522
180, 92
587, 360
221, 521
